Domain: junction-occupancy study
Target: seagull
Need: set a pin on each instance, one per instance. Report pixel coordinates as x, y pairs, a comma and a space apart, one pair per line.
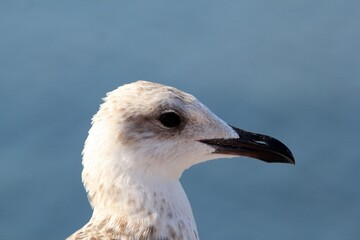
142, 139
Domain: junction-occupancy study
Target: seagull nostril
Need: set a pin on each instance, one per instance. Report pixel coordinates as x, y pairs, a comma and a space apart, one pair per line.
261, 142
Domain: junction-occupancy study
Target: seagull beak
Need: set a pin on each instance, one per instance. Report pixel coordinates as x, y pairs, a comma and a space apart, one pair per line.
253, 145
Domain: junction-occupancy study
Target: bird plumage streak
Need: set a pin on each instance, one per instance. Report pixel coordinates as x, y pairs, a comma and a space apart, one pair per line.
142, 139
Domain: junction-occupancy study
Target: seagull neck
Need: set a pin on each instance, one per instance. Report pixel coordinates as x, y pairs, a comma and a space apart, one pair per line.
127, 191
146, 203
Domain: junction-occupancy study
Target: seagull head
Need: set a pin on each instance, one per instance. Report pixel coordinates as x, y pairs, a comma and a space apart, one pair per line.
142, 139
149, 129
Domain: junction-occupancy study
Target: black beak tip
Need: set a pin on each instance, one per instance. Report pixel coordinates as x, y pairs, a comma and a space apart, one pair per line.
291, 160
288, 159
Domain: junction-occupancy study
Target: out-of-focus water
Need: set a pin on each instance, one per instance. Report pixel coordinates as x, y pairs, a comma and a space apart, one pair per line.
290, 69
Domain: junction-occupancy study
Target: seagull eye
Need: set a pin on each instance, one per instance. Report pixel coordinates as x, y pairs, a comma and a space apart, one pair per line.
170, 119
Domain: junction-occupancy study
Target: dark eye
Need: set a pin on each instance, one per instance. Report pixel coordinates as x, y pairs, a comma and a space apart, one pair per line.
170, 119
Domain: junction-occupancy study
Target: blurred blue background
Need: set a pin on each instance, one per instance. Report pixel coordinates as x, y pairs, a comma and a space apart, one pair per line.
290, 69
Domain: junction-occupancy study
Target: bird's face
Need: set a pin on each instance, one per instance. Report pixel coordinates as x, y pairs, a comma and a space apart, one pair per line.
164, 131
